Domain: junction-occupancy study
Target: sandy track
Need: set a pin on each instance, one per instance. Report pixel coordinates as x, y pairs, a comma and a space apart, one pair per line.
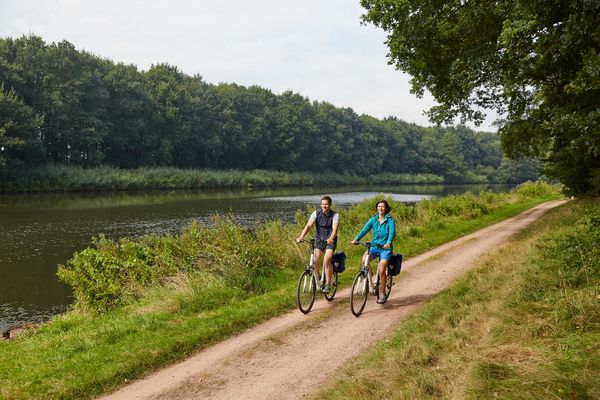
289, 356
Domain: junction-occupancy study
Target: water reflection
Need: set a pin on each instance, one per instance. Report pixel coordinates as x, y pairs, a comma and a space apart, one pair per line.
345, 199
38, 232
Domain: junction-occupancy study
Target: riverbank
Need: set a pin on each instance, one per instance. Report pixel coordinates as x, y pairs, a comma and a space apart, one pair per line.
60, 178
143, 304
524, 324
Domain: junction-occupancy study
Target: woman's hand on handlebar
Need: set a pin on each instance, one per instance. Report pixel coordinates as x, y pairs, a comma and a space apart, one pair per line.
355, 242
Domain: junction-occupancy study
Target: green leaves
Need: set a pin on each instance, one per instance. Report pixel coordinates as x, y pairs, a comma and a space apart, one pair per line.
88, 112
535, 62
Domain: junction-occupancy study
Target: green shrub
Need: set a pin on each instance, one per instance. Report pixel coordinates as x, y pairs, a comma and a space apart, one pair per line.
111, 273
536, 189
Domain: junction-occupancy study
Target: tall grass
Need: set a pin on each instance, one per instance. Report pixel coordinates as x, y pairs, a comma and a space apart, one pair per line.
72, 178
525, 324
140, 304
112, 273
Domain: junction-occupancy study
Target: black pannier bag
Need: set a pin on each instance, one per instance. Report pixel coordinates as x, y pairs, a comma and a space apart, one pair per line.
395, 264
339, 261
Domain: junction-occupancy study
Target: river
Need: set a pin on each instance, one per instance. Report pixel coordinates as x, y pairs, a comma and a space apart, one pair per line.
38, 232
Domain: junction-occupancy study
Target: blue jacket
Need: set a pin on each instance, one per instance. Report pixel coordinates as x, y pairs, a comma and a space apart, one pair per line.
382, 233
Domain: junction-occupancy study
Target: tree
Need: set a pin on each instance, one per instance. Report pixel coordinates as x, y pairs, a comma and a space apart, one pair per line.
19, 131
535, 62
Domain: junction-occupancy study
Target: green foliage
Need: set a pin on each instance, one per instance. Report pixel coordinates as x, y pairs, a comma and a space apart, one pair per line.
534, 62
536, 189
113, 273
19, 128
54, 177
93, 112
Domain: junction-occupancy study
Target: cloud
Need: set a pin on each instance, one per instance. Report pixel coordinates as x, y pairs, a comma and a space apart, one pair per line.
315, 48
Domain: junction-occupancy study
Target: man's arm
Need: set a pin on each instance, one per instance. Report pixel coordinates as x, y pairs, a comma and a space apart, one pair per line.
309, 224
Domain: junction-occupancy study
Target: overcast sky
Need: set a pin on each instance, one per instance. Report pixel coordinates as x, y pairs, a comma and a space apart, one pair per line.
317, 48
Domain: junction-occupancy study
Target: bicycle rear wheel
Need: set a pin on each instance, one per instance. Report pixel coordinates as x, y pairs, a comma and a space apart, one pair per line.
360, 291
332, 288
305, 291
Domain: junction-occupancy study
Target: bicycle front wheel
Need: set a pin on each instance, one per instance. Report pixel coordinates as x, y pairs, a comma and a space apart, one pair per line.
360, 291
388, 286
333, 287
305, 292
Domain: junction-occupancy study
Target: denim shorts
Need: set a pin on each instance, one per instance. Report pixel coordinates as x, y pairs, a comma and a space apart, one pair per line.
383, 254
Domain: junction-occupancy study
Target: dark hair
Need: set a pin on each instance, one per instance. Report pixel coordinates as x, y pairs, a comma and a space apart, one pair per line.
327, 198
387, 206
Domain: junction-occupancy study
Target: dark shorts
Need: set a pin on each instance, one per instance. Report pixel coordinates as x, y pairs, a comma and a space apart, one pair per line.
322, 245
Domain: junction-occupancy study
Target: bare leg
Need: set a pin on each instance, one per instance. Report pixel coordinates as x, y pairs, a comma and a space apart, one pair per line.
327, 265
318, 254
382, 267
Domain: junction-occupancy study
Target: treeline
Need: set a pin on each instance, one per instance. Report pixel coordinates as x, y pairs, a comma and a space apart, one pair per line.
63, 106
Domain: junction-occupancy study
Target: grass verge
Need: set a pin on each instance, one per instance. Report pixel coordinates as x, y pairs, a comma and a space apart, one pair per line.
164, 318
63, 178
515, 327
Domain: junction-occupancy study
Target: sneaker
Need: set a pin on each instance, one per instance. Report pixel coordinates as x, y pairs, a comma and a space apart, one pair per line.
325, 289
381, 298
372, 291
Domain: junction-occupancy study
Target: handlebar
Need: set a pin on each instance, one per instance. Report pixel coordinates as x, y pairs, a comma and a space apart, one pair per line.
368, 245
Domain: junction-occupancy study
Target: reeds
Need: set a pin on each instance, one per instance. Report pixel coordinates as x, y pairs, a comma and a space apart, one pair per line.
58, 178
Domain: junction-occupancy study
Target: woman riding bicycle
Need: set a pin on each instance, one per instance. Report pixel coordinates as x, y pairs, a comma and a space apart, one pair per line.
384, 231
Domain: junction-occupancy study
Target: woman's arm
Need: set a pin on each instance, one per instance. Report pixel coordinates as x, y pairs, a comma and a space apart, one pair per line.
391, 232
364, 230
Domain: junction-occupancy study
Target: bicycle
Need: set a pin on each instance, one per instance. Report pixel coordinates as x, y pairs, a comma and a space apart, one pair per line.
307, 284
363, 281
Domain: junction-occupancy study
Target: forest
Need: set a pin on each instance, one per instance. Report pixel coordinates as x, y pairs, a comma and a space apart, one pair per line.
60, 105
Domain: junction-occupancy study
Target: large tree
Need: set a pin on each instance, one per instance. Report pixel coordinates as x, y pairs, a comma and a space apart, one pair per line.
535, 62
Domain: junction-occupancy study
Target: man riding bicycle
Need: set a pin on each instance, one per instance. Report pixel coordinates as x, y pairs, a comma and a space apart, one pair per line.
327, 222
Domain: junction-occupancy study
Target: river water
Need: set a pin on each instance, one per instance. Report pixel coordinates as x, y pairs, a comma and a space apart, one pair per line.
38, 232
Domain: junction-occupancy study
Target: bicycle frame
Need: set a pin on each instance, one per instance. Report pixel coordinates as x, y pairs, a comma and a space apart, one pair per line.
367, 268
319, 279
361, 287
307, 287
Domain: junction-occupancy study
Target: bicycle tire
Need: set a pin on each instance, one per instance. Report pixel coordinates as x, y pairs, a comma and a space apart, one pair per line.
305, 292
388, 286
359, 293
332, 288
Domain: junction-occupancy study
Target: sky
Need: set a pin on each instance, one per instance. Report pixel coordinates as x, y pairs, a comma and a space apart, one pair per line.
317, 48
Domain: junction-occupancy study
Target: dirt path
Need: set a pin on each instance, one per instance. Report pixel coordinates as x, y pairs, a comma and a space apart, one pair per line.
289, 356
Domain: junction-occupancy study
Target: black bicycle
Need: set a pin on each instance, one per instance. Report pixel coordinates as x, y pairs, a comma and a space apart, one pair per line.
364, 284
309, 283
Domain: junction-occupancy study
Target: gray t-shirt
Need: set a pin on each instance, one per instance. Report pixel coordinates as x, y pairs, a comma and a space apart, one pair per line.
313, 217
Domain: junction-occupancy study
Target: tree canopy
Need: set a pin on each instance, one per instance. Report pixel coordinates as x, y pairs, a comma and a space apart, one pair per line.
60, 105
535, 62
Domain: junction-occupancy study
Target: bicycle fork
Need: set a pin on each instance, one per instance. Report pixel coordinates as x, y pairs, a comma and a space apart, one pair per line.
317, 278
373, 283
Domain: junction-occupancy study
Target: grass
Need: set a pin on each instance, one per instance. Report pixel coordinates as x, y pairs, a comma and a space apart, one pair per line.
59, 178
164, 318
516, 327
